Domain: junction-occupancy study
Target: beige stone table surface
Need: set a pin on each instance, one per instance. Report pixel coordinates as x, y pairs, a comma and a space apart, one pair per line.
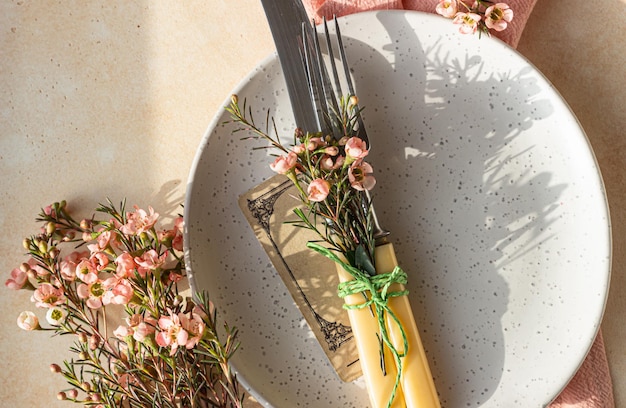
111, 99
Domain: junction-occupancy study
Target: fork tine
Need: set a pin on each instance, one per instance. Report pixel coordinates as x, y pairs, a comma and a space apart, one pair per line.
328, 90
331, 57
361, 133
310, 60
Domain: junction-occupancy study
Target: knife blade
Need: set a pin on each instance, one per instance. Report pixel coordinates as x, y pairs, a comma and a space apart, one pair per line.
288, 23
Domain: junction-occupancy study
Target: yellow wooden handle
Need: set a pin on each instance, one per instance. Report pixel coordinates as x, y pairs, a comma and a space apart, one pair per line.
364, 328
418, 386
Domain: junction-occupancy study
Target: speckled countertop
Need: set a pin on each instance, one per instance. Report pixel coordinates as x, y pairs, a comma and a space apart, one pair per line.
111, 99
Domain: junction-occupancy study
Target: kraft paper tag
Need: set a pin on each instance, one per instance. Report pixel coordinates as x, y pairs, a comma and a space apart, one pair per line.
310, 277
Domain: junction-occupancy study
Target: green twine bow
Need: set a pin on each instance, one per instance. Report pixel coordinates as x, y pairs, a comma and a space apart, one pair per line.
378, 288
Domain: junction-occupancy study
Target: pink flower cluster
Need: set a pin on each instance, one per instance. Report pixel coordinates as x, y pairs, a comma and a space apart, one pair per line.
103, 274
76, 270
330, 159
483, 15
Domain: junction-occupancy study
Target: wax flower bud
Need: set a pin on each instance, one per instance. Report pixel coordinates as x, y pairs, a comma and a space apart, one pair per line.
94, 342
43, 246
53, 252
354, 101
86, 224
28, 321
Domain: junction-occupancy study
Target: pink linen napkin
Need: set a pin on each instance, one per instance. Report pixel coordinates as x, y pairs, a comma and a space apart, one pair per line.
591, 387
317, 9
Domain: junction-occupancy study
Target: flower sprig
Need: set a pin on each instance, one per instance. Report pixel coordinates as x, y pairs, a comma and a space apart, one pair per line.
166, 353
331, 176
481, 16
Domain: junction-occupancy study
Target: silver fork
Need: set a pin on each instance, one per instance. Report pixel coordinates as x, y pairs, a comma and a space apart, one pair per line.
325, 95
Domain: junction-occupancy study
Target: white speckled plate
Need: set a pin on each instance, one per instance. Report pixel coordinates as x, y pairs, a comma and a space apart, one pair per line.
494, 199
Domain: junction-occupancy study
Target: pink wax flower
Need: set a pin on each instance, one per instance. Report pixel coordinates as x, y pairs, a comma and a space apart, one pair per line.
195, 327
355, 149
331, 150
171, 333
318, 190
149, 261
329, 163
125, 265
70, 262
326, 162
49, 210
100, 260
174, 235
28, 321
166, 236
93, 292
285, 164
56, 316
117, 291
177, 242
142, 327
298, 149
68, 271
468, 22
17, 280
447, 8
122, 332
39, 270
360, 176
498, 16
47, 295
103, 240
107, 239
86, 271
138, 327
139, 221
314, 143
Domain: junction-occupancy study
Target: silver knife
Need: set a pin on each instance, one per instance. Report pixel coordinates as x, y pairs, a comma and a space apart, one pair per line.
288, 22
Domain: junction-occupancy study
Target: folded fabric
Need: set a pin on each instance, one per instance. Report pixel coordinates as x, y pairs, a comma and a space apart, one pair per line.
591, 387
318, 9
